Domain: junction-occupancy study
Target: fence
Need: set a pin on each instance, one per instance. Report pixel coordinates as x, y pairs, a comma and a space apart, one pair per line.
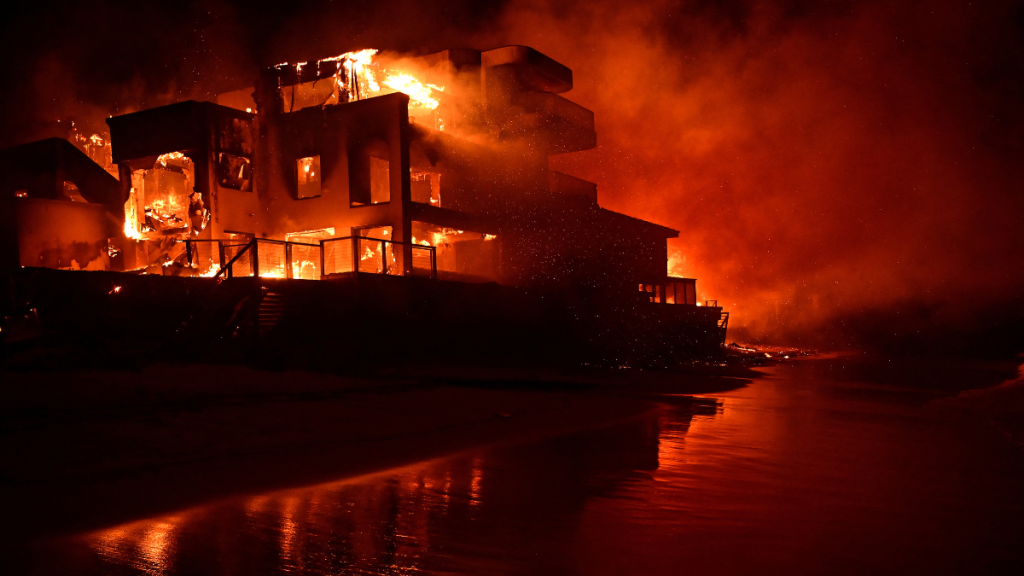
374, 256
280, 259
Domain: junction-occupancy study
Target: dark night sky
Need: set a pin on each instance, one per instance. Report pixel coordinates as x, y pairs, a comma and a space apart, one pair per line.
836, 168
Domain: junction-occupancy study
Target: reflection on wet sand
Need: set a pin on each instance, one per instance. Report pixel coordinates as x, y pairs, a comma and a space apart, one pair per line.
146, 546
796, 473
433, 516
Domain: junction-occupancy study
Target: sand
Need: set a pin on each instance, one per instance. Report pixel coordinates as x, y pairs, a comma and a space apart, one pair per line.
87, 449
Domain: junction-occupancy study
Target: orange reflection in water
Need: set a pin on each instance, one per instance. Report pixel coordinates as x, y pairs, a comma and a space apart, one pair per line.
795, 474
147, 546
373, 524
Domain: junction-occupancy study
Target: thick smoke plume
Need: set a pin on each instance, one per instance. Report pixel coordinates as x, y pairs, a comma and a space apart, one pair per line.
839, 171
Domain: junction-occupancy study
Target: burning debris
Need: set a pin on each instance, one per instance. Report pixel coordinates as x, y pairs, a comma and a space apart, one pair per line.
355, 76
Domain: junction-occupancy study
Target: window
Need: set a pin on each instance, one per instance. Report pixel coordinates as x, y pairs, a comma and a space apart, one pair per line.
369, 174
380, 181
234, 153
308, 172
426, 187
234, 172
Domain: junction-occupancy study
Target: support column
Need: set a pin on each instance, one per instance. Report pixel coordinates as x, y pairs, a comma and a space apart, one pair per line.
399, 141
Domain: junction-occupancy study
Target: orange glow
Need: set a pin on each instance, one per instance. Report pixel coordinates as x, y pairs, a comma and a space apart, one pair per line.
131, 216
368, 76
421, 94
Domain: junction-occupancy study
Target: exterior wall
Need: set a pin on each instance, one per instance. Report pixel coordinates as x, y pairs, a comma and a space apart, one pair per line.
199, 131
64, 234
44, 228
340, 135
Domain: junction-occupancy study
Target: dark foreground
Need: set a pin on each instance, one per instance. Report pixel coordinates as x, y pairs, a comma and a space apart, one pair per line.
821, 466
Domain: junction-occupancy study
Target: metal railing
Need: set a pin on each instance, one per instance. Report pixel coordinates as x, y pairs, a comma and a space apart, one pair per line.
374, 256
205, 250
281, 259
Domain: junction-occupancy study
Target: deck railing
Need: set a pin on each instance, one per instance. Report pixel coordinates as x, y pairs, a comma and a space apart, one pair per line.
374, 256
282, 259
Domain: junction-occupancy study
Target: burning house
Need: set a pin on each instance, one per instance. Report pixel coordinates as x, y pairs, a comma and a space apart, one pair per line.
427, 177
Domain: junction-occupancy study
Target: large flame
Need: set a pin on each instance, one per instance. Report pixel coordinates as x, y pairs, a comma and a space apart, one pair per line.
421, 94
365, 75
131, 216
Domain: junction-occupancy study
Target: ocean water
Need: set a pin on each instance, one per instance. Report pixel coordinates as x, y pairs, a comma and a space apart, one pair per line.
808, 470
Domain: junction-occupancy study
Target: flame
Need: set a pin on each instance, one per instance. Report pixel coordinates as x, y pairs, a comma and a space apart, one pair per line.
358, 68
441, 238
300, 267
131, 216
164, 158
418, 92
364, 76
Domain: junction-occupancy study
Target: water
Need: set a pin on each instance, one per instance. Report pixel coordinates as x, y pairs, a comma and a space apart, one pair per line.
801, 472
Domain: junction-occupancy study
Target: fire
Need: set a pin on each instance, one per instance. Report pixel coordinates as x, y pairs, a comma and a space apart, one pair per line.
304, 269
421, 94
164, 158
96, 147
131, 217
364, 76
441, 238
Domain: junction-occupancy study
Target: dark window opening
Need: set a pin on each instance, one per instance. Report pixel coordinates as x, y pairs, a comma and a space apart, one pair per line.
426, 187
234, 172
370, 174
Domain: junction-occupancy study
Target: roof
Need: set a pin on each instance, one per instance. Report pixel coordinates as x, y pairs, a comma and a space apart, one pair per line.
643, 226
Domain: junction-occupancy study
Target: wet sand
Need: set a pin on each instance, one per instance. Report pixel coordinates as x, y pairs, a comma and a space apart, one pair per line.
88, 449
810, 469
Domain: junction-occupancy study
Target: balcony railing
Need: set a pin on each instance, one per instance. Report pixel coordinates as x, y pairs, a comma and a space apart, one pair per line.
281, 259
374, 256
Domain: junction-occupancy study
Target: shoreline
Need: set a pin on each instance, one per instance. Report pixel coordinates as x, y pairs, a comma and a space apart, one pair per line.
96, 448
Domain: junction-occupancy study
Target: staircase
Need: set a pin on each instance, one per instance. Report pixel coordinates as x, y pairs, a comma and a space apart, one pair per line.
269, 313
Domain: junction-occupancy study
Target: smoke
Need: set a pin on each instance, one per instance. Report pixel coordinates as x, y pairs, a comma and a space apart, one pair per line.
826, 164
84, 62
